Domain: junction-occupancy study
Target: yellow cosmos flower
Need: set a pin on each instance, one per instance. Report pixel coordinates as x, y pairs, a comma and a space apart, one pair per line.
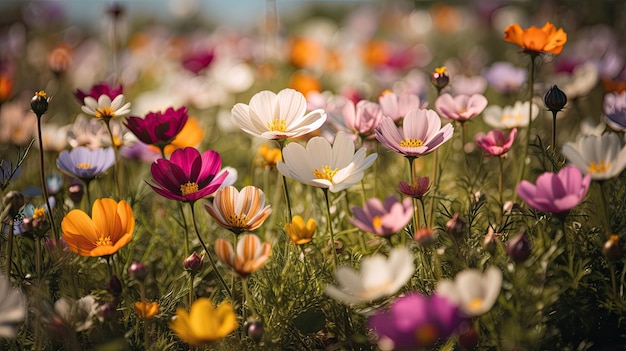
299, 232
190, 135
110, 227
269, 156
146, 310
204, 323
544, 39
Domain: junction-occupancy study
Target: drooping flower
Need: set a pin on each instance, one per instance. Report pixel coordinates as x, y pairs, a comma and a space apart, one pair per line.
250, 256
495, 143
378, 277
416, 189
508, 117
12, 308
505, 78
299, 232
158, 128
363, 117
602, 156
383, 219
204, 323
461, 107
556, 193
239, 211
335, 167
277, 116
474, 292
615, 110
415, 322
537, 40
420, 134
98, 90
188, 175
106, 108
79, 314
397, 105
146, 310
110, 227
84, 163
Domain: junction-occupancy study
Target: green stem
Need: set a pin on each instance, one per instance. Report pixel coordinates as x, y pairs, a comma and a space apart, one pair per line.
209, 254
115, 165
330, 228
501, 184
9, 255
87, 197
416, 224
554, 133
435, 183
186, 229
191, 295
43, 180
531, 83
249, 300
281, 143
38, 256
421, 200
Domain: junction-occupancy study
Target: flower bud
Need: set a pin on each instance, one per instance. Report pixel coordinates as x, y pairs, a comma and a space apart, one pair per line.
424, 235
39, 103
114, 286
439, 78
519, 247
138, 271
254, 329
456, 226
555, 99
76, 191
13, 200
468, 337
612, 249
490, 242
193, 263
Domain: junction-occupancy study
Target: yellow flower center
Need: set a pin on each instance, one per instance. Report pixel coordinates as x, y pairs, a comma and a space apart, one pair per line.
238, 221
105, 111
463, 111
85, 165
189, 188
475, 304
104, 241
377, 222
277, 125
440, 70
517, 117
41, 94
411, 143
325, 173
385, 92
599, 167
38, 213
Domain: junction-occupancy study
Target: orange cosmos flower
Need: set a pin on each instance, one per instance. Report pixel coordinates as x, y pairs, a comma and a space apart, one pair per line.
146, 310
110, 227
250, 256
190, 135
533, 39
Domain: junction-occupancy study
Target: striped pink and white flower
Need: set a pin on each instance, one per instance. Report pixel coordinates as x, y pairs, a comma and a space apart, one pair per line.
250, 254
239, 211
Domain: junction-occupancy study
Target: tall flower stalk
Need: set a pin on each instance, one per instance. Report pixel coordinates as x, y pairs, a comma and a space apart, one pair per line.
330, 228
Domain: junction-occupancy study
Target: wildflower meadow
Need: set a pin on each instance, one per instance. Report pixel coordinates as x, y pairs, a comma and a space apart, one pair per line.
353, 175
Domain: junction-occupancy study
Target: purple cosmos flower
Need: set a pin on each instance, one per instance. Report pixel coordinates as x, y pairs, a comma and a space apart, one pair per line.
158, 128
417, 189
421, 133
84, 163
363, 117
188, 175
98, 90
197, 61
397, 106
383, 219
415, 322
556, 193
140, 151
494, 143
461, 107
505, 78
615, 110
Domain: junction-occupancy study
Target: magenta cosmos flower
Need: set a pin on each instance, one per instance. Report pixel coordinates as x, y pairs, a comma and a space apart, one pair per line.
556, 193
383, 219
494, 143
461, 107
98, 90
188, 175
415, 322
158, 128
421, 133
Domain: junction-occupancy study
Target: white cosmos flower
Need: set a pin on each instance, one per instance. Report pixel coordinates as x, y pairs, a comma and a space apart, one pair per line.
602, 156
104, 107
378, 277
509, 117
79, 315
335, 167
12, 308
474, 292
277, 116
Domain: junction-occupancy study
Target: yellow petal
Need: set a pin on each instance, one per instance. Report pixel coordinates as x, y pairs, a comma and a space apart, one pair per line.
181, 326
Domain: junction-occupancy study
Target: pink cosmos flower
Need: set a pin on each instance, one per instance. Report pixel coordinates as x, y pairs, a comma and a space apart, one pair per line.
556, 193
363, 117
188, 176
397, 106
383, 219
417, 189
461, 107
98, 90
421, 133
494, 143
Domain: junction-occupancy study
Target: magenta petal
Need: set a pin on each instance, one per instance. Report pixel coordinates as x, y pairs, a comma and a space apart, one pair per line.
184, 158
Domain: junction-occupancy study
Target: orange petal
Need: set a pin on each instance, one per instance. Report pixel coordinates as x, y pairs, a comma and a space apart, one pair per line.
104, 214
535, 39
514, 34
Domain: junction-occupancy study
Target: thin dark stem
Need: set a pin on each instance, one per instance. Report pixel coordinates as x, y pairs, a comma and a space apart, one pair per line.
43, 180
501, 182
416, 224
115, 165
281, 144
9, 253
330, 228
191, 295
248, 297
209, 254
531, 83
